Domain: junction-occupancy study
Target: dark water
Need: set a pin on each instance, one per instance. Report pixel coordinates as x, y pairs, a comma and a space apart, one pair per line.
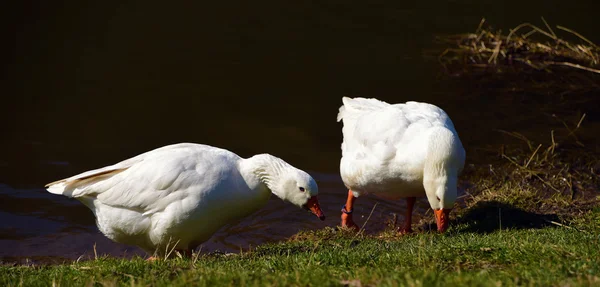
88, 84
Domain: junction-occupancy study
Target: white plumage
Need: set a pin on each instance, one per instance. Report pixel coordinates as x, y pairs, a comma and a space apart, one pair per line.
181, 194
400, 151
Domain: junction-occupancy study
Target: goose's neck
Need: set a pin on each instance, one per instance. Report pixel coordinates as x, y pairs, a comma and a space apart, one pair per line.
264, 169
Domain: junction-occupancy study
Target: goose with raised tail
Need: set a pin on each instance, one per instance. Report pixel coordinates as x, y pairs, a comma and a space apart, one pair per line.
180, 195
398, 151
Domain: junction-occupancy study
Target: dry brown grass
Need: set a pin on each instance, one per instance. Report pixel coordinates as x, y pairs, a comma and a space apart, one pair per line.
525, 47
559, 177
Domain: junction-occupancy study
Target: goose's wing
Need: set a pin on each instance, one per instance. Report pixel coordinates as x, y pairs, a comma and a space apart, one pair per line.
151, 181
381, 130
377, 133
425, 114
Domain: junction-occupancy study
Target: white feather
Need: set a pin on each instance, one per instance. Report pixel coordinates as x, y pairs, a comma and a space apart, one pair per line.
397, 151
181, 193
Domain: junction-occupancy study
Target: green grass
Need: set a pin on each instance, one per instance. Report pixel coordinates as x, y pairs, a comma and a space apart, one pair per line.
329, 257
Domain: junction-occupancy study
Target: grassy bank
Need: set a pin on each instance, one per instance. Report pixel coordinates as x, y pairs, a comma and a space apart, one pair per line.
546, 256
530, 216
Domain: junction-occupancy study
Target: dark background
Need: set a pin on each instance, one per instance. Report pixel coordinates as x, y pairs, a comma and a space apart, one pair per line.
91, 83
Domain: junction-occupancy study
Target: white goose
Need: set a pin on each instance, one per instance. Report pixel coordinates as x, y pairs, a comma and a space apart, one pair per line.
400, 151
179, 195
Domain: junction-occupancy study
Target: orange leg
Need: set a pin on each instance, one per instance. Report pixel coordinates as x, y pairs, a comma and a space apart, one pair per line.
410, 203
347, 212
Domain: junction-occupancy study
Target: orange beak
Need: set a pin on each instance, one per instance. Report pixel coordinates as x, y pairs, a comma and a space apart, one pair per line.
313, 206
441, 217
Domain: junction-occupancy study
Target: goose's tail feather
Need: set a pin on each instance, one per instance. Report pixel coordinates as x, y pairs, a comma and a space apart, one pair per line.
352, 108
71, 186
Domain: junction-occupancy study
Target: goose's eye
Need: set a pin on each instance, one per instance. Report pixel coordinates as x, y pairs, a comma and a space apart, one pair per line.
302, 189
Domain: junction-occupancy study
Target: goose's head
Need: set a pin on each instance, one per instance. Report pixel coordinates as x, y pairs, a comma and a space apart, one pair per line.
441, 194
299, 188
287, 182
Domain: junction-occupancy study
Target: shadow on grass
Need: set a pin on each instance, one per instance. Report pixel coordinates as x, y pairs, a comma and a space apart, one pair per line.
489, 216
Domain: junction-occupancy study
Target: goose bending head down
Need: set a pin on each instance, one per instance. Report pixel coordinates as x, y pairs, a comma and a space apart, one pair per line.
397, 151
287, 182
180, 195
